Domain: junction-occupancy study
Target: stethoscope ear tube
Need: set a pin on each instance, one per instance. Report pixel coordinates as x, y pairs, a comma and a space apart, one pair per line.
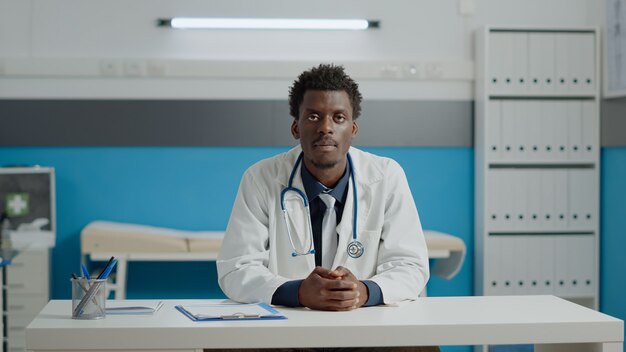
289, 188
355, 249
310, 249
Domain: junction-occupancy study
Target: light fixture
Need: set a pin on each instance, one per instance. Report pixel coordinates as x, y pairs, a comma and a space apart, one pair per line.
267, 23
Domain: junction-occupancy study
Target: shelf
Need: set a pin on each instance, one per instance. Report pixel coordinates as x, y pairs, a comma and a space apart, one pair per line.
538, 233
542, 96
555, 29
541, 165
537, 133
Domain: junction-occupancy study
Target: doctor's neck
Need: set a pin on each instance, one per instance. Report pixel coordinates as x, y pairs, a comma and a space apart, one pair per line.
327, 174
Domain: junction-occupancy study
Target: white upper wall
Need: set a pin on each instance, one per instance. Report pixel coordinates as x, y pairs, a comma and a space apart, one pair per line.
423, 32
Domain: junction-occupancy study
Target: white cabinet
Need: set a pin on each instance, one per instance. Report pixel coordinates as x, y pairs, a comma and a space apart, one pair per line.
29, 227
27, 291
537, 162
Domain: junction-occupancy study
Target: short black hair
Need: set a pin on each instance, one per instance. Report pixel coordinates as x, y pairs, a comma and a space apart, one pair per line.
324, 77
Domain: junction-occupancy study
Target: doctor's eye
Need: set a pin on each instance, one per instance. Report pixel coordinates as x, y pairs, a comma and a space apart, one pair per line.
340, 118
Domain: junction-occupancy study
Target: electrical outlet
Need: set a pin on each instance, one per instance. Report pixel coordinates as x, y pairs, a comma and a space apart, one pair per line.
109, 68
390, 71
155, 68
133, 68
433, 70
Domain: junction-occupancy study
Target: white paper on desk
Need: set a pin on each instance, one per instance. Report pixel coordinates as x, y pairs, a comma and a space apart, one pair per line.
207, 311
133, 306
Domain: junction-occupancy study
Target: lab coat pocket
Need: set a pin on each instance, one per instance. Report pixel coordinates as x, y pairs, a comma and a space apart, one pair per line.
364, 267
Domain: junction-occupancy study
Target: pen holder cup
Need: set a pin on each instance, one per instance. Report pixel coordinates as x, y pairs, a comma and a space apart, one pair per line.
88, 298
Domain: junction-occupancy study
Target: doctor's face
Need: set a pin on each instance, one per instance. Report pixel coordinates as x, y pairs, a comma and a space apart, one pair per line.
325, 128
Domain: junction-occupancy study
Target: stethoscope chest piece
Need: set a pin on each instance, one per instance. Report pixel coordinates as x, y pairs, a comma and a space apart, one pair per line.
355, 249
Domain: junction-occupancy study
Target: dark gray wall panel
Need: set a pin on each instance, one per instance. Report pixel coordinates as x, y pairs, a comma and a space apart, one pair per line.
613, 124
242, 123
219, 123
281, 124
399, 123
134, 123
416, 123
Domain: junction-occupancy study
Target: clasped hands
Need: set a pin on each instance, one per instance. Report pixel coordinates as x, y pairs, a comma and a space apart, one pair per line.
337, 290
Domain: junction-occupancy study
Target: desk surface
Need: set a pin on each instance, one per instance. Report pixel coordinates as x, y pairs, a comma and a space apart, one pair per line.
427, 321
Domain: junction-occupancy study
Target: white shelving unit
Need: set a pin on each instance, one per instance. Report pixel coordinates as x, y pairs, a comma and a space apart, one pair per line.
27, 292
537, 153
26, 281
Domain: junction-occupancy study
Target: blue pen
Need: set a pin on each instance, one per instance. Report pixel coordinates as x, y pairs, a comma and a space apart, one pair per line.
107, 270
85, 271
108, 264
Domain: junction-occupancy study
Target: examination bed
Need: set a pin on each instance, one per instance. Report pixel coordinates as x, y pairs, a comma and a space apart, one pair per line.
130, 242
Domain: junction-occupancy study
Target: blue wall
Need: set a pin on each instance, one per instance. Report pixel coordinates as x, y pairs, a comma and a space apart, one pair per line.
194, 188
613, 232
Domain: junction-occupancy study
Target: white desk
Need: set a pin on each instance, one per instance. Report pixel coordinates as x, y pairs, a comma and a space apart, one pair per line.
429, 321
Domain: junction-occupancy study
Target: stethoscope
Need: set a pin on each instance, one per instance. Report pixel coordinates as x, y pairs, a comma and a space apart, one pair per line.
354, 249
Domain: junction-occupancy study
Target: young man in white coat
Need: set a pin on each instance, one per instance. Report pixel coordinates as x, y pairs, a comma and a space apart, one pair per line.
267, 257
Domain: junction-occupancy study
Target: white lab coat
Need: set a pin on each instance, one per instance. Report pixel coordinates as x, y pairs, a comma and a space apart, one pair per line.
256, 255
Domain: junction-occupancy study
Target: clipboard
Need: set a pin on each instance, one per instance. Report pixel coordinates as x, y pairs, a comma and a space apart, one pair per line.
224, 312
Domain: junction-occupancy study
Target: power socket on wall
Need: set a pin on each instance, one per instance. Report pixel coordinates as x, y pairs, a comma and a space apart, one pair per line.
155, 68
390, 71
133, 68
109, 68
433, 70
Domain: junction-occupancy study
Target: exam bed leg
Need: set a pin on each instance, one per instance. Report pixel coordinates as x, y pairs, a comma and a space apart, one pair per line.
120, 277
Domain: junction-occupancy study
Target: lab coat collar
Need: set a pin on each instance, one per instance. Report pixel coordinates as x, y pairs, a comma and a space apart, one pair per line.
365, 175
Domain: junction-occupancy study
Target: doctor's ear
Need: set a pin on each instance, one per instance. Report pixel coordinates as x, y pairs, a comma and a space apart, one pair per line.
295, 132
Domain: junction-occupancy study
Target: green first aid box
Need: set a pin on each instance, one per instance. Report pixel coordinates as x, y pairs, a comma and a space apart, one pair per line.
26, 194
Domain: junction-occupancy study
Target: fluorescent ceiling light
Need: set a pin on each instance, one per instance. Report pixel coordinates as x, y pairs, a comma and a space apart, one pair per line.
267, 23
